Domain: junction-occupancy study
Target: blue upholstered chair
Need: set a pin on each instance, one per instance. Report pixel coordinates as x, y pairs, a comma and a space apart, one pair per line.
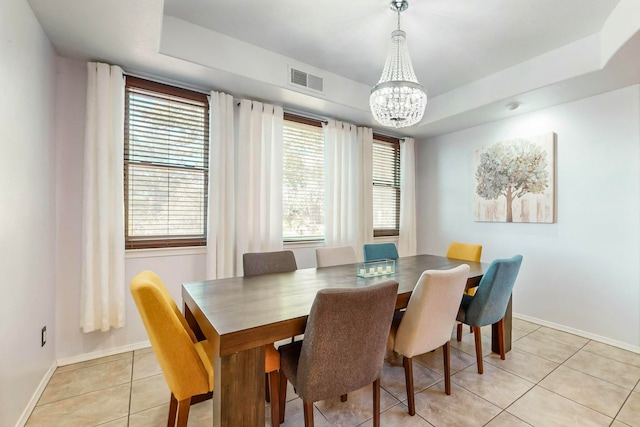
490, 301
376, 251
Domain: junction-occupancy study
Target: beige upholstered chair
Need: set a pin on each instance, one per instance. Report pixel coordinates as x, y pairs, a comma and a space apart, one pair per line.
327, 257
258, 263
427, 322
185, 363
333, 364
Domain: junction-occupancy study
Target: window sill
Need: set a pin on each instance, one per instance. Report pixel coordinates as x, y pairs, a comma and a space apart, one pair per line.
304, 244
160, 252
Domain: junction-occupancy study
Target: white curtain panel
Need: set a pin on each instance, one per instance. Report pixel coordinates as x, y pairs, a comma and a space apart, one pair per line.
407, 238
258, 179
221, 230
365, 138
103, 284
348, 213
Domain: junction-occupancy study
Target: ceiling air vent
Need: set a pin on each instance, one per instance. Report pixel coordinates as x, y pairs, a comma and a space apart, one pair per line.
306, 80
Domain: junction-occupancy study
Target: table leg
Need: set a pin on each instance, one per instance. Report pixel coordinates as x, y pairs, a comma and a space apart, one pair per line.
238, 393
238, 382
495, 346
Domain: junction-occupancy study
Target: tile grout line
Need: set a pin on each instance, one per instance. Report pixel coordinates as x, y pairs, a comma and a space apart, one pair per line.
569, 399
625, 402
133, 357
535, 384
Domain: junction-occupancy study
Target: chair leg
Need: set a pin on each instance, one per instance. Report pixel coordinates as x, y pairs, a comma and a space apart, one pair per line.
376, 403
478, 338
183, 412
267, 393
308, 414
446, 357
459, 332
408, 378
173, 411
274, 383
343, 398
282, 396
501, 338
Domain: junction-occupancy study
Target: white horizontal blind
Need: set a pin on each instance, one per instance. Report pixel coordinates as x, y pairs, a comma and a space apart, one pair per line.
386, 186
166, 165
303, 180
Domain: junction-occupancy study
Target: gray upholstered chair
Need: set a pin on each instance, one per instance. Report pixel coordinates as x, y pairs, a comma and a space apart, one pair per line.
490, 301
376, 251
327, 257
258, 263
427, 322
343, 348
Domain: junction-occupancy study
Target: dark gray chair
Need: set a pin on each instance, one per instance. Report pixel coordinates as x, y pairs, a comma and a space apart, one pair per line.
490, 301
343, 348
258, 263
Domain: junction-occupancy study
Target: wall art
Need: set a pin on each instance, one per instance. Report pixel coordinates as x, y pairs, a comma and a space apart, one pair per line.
515, 180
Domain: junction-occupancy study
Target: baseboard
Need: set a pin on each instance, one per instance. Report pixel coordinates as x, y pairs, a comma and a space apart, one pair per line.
103, 353
579, 333
36, 396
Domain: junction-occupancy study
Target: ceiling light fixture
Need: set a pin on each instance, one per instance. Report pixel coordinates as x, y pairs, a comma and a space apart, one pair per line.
398, 100
513, 105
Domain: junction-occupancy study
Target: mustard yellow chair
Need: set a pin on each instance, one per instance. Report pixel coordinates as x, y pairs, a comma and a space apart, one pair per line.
185, 363
466, 252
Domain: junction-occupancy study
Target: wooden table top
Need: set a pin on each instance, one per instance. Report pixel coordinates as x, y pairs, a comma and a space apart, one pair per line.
246, 312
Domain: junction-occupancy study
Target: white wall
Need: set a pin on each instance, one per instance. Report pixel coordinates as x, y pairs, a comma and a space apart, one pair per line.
583, 272
27, 207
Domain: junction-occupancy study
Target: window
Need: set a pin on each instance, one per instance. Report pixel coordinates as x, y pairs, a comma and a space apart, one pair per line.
386, 186
303, 179
166, 162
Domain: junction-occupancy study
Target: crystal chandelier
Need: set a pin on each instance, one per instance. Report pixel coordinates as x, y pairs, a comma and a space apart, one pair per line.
398, 100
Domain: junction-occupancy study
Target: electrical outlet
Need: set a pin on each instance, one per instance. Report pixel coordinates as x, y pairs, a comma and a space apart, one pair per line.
43, 336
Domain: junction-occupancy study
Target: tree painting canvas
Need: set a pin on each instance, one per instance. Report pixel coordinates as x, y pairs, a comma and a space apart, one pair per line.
515, 180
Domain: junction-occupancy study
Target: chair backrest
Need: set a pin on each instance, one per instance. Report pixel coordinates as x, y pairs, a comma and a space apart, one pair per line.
492, 297
345, 340
326, 257
183, 369
431, 312
257, 263
465, 251
375, 251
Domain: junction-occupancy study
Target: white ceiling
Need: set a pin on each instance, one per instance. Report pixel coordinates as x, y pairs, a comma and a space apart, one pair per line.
451, 42
472, 56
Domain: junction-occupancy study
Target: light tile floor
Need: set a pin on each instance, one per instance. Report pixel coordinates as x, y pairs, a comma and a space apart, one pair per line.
550, 378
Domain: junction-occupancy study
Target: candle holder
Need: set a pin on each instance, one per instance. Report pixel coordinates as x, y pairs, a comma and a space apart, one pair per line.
381, 267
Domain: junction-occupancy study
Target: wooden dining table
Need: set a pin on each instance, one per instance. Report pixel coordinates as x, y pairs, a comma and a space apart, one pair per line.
240, 316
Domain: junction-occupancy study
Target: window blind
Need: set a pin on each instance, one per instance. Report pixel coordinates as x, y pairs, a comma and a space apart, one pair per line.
166, 163
386, 186
303, 179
